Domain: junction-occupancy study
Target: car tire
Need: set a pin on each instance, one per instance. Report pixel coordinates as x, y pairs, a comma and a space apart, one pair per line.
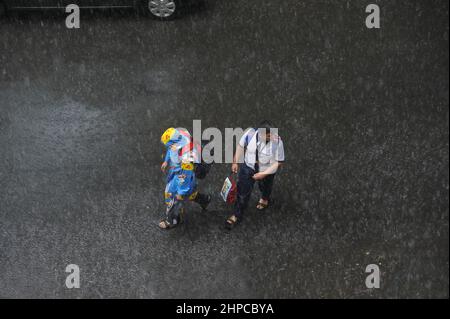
163, 9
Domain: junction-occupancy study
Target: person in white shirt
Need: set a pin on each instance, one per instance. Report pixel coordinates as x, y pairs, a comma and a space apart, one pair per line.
263, 153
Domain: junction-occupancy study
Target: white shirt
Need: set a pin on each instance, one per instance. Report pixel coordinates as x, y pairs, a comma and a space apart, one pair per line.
268, 153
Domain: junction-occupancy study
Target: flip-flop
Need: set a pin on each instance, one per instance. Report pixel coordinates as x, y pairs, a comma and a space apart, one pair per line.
230, 223
262, 206
167, 225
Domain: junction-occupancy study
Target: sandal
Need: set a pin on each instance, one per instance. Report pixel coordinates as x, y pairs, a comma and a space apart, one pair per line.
262, 206
164, 225
231, 222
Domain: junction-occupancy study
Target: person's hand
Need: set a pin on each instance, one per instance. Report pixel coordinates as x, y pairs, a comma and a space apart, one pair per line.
259, 176
164, 167
235, 168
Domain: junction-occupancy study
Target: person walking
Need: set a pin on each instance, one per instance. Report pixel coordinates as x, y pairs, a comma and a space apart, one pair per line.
179, 163
263, 153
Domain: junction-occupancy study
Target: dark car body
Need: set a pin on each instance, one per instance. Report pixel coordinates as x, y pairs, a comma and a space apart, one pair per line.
159, 8
42, 4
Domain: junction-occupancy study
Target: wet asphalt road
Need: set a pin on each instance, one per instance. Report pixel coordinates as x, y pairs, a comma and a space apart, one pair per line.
363, 114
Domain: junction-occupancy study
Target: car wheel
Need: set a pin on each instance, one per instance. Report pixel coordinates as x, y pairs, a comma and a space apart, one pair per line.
164, 9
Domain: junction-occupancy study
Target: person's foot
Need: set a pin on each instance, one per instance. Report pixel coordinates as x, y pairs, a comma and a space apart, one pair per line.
164, 224
204, 204
208, 200
262, 204
231, 222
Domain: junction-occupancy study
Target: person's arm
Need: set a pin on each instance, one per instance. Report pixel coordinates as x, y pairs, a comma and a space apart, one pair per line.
240, 151
166, 161
277, 162
167, 157
236, 159
272, 169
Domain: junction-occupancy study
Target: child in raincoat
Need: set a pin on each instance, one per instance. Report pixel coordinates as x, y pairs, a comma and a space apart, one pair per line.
181, 181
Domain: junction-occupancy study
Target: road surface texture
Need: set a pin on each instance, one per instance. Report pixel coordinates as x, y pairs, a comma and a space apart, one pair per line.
363, 114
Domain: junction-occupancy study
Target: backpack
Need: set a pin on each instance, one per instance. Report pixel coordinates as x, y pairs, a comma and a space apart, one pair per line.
201, 169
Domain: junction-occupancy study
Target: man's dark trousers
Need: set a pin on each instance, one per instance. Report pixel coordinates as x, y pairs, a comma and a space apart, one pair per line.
245, 186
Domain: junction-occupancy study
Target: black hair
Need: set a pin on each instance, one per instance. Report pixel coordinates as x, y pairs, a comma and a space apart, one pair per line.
266, 125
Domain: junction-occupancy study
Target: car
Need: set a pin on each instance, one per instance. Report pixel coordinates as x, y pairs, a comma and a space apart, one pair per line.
160, 9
